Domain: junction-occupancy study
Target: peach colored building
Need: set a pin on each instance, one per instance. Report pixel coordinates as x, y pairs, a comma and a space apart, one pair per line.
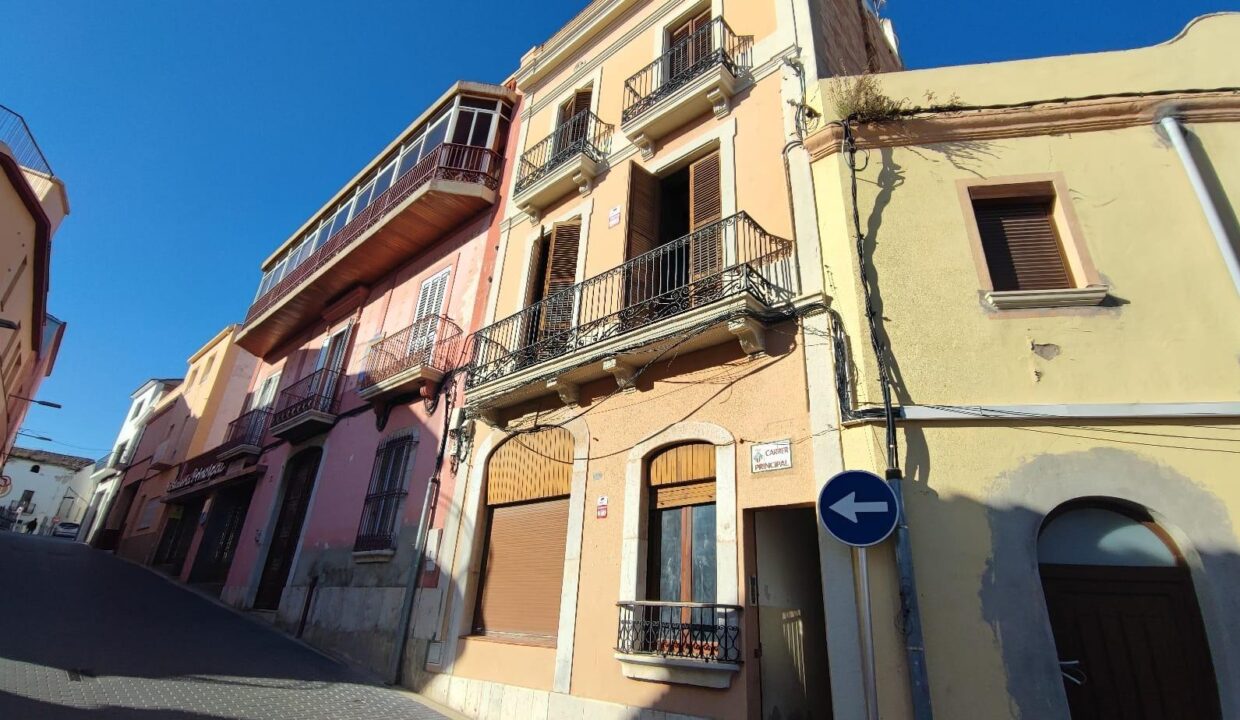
154, 526
33, 202
360, 324
632, 531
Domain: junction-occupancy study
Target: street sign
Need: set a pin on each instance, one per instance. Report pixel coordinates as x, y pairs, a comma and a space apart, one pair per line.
858, 508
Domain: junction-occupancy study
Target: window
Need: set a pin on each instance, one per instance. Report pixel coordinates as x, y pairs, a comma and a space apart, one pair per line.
381, 510
528, 482
1028, 244
206, 369
426, 314
193, 373
1022, 249
266, 391
137, 410
683, 564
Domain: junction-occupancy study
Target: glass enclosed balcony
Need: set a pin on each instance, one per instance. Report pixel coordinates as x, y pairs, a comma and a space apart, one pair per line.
442, 172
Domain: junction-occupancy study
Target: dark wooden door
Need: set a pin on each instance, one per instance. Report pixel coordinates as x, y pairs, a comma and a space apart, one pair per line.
298, 484
223, 531
1139, 640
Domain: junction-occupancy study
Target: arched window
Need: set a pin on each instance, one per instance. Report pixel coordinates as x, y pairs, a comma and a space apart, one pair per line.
1124, 614
529, 479
682, 555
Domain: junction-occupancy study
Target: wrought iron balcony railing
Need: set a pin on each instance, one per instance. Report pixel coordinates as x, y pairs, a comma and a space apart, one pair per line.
582, 134
112, 460
434, 342
248, 429
726, 258
16, 134
694, 631
461, 163
714, 44
316, 392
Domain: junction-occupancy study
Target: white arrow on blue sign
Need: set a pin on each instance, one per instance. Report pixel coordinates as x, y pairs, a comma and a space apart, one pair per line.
858, 508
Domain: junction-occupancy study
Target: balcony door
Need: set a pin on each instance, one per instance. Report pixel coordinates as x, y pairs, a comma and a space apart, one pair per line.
555, 273
688, 43
331, 359
573, 123
266, 392
675, 215
426, 315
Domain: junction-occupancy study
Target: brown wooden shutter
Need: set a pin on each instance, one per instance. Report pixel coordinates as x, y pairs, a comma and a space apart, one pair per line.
643, 230
523, 572
683, 475
1022, 249
705, 208
557, 314
531, 466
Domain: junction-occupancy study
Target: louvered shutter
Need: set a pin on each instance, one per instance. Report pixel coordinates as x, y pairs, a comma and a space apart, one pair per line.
557, 313
1022, 249
703, 42
641, 279
706, 241
683, 475
523, 571
430, 305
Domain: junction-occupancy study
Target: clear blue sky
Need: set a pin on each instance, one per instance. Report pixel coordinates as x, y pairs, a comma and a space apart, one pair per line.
195, 136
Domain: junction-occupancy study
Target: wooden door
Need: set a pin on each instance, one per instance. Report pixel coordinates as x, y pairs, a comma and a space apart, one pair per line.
1136, 635
298, 484
706, 251
556, 319
688, 44
573, 124
642, 279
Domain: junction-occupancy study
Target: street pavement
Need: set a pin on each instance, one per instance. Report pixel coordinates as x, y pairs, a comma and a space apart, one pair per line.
86, 636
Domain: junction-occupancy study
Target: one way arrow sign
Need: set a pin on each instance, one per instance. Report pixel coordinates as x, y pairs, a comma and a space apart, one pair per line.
858, 508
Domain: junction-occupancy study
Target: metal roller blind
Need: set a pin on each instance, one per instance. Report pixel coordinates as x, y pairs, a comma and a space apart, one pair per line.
524, 571
1022, 249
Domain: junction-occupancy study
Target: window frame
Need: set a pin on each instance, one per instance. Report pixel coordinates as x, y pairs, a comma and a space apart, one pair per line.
1087, 287
387, 491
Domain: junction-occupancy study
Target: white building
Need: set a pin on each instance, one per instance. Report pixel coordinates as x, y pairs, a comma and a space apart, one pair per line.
107, 471
46, 487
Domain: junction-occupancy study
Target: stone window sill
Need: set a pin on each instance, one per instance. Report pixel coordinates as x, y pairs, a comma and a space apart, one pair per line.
1067, 297
373, 556
678, 671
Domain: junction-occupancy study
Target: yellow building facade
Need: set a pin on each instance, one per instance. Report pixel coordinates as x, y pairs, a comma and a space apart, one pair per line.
1059, 304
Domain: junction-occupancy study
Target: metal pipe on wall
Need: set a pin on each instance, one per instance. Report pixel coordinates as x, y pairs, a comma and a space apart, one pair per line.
1175, 133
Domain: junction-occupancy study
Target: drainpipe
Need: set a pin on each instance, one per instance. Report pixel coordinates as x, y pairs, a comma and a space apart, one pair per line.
1175, 133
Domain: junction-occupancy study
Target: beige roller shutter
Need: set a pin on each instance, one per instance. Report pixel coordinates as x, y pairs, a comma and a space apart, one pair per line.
523, 571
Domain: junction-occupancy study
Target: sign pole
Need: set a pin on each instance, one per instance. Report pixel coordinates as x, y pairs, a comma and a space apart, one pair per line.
868, 670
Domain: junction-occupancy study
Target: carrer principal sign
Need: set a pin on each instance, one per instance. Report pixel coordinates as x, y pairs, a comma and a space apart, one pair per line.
776, 455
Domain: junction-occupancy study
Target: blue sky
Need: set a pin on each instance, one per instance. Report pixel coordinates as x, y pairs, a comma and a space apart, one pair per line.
194, 137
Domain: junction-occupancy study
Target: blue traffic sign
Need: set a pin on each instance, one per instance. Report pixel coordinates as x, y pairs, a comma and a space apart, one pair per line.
858, 508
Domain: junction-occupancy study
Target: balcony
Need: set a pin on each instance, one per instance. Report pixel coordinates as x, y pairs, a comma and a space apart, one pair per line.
307, 407
698, 74
689, 643
566, 160
164, 456
447, 186
245, 434
111, 463
411, 359
708, 287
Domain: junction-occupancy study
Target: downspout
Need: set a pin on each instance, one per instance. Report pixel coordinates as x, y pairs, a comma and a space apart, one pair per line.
914, 645
419, 544
1175, 133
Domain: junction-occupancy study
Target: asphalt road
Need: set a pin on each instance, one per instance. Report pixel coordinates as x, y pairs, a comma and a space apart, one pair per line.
85, 636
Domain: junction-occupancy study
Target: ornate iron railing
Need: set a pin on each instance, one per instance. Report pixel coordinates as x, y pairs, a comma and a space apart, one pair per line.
709, 46
726, 258
315, 392
248, 429
461, 163
434, 341
582, 134
696, 631
15, 133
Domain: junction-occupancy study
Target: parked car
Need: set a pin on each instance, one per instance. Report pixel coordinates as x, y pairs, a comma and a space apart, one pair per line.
66, 530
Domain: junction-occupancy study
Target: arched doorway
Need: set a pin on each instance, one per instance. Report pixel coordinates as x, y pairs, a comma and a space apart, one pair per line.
299, 477
1127, 626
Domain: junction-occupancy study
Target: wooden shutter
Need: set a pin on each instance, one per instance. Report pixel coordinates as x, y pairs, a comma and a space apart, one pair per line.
524, 571
431, 295
683, 475
1022, 249
705, 208
643, 229
557, 314
531, 466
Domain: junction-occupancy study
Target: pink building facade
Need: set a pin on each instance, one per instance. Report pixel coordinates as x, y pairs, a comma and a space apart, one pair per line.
361, 327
